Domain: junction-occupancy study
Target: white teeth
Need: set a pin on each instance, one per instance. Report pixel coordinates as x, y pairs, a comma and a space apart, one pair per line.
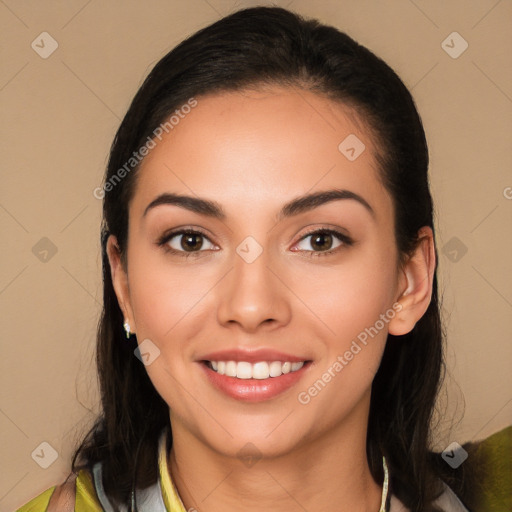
275, 368
260, 370
243, 370
297, 366
231, 369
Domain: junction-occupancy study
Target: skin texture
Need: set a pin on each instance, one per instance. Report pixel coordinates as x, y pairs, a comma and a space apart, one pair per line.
252, 152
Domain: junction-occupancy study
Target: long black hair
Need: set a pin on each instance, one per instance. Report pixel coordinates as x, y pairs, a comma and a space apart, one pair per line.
251, 47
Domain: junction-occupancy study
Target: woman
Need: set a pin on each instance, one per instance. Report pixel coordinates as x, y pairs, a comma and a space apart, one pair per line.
268, 252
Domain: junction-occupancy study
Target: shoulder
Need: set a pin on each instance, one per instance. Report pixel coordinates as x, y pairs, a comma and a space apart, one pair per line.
483, 481
39, 503
76, 493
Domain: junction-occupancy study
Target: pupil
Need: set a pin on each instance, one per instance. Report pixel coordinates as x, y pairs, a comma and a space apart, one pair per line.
191, 237
320, 245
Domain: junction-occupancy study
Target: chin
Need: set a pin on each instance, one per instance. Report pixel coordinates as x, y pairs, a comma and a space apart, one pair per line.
253, 442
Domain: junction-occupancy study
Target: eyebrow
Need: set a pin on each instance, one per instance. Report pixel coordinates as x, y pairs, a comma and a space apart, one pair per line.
294, 207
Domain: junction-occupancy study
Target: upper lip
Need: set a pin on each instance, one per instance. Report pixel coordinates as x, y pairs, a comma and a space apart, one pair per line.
251, 356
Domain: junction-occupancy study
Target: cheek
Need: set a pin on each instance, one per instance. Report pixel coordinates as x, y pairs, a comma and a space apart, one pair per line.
355, 304
166, 301
351, 296
164, 296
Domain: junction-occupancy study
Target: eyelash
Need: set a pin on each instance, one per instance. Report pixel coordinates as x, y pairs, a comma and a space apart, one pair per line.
163, 241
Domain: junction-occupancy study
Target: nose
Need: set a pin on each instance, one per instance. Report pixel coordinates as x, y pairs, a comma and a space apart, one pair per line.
254, 296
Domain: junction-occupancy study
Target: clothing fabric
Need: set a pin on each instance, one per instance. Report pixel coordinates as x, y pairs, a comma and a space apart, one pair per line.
163, 495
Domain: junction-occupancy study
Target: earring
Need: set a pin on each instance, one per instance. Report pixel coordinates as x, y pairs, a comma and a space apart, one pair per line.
126, 326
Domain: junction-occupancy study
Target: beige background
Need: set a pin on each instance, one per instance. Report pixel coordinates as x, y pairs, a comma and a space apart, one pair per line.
59, 117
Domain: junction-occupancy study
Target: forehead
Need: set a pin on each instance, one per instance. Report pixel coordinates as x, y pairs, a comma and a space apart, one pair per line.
259, 148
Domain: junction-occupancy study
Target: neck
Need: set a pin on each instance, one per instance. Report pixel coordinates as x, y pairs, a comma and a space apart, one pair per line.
330, 473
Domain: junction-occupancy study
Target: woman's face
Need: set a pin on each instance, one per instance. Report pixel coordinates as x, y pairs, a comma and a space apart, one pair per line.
254, 285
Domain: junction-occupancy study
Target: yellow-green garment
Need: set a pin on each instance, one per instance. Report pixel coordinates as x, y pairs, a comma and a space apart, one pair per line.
488, 490
87, 498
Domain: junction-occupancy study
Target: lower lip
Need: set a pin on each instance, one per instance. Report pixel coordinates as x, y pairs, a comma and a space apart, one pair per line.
254, 390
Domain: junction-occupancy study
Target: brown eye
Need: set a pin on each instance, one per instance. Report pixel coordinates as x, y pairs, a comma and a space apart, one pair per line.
190, 241
185, 241
322, 241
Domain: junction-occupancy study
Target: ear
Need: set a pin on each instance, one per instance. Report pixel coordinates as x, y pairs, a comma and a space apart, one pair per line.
120, 281
415, 284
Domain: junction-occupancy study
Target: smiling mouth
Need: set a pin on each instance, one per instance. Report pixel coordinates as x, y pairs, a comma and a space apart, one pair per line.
259, 370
